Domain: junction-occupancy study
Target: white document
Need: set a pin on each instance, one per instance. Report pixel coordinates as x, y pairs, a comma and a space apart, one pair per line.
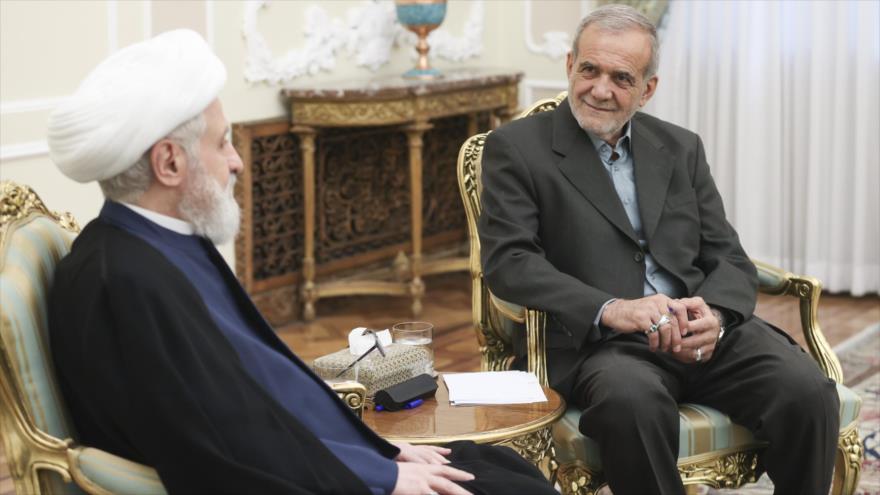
493, 387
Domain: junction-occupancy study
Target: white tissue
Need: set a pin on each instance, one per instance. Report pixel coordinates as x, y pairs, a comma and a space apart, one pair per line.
359, 344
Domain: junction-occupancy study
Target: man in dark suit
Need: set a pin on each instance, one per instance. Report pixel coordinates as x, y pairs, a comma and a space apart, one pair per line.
609, 220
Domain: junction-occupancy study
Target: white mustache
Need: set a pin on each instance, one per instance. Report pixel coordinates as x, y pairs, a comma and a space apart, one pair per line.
600, 107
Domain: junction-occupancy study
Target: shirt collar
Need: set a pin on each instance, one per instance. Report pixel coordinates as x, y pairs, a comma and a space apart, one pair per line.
622, 143
170, 223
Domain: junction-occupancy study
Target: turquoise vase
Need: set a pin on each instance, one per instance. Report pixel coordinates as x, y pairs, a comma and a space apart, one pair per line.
421, 17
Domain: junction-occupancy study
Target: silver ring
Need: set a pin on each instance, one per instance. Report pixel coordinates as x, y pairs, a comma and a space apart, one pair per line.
664, 320
698, 355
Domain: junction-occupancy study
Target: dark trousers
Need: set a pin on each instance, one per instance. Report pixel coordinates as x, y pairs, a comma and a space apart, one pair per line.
758, 376
497, 470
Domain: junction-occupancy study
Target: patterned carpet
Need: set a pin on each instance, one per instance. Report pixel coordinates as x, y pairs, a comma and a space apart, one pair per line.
860, 358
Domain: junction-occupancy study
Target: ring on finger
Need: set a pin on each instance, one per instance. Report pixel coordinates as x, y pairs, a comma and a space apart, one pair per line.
664, 320
698, 355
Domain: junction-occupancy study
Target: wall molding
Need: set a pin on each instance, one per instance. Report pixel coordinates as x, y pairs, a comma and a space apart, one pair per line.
29, 105
555, 44
24, 150
530, 85
148, 18
112, 26
367, 33
209, 23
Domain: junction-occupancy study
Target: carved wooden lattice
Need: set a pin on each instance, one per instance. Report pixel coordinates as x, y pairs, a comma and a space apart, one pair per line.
363, 191
277, 213
442, 209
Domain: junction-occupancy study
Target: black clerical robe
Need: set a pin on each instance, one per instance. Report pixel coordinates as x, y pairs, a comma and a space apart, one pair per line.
148, 376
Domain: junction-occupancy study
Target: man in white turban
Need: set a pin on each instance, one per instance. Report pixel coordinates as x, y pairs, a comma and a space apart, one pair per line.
162, 356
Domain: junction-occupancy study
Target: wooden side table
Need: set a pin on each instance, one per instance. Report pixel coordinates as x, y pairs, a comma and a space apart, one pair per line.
522, 427
413, 106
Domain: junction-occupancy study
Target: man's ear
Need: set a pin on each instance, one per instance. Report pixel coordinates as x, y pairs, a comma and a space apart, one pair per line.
650, 87
168, 163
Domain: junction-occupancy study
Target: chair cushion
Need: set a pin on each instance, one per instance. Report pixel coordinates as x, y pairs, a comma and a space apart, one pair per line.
118, 475
702, 430
28, 265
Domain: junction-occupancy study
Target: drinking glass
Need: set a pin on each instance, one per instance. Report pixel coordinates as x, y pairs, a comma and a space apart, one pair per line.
416, 333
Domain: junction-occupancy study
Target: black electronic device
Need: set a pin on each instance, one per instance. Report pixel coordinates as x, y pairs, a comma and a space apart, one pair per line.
397, 397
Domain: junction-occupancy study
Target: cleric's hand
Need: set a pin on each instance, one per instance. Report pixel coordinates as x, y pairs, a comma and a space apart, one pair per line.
637, 315
421, 454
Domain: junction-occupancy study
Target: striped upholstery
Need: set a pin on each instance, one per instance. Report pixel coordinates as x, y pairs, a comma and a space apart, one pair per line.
27, 265
850, 405
702, 430
118, 475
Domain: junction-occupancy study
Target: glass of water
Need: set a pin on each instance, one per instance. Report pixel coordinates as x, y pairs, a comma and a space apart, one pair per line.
416, 333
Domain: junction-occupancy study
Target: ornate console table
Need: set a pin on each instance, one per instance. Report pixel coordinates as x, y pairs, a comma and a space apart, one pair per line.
348, 199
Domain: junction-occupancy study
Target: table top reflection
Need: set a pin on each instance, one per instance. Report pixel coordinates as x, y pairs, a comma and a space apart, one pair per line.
438, 422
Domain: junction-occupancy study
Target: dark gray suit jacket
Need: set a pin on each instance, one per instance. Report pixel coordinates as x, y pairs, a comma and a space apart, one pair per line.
555, 237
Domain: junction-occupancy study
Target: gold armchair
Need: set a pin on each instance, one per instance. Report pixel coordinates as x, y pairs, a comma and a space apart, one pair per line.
727, 455
36, 431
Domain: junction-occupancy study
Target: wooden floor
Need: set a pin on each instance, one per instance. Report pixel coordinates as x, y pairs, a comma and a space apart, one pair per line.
447, 306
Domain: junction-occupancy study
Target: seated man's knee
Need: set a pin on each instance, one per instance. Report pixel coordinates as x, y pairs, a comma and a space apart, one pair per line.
806, 397
629, 404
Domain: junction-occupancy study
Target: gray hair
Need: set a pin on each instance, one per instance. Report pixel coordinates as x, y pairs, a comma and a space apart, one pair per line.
617, 18
129, 185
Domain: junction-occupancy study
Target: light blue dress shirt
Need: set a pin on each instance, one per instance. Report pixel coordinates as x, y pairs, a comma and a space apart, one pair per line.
622, 173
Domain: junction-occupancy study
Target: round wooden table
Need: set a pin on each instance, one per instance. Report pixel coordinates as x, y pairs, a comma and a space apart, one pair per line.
523, 427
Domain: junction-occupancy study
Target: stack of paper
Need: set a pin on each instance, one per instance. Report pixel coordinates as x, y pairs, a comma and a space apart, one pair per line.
493, 387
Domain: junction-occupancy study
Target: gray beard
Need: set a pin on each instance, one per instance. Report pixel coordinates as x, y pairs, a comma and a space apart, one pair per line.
210, 209
609, 128
605, 130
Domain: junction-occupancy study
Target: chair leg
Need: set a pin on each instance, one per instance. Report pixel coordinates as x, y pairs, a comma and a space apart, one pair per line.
848, 463
576, 479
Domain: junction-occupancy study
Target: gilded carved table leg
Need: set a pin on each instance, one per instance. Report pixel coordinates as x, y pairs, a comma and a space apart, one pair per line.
414, 135
307, 147
537, 448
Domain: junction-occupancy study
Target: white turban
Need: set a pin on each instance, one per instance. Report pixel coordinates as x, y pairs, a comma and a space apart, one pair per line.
130, 101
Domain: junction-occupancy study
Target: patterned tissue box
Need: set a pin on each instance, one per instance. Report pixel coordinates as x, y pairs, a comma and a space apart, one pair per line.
401, 362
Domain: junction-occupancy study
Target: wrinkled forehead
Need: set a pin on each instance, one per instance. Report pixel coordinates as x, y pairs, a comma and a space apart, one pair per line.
630, 45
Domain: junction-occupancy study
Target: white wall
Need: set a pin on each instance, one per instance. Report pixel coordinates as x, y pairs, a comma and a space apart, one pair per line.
47, 47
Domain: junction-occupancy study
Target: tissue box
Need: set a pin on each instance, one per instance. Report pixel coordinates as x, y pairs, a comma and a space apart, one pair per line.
401, 362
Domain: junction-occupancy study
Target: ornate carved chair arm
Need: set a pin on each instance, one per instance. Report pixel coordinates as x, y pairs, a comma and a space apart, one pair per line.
535, 322
98, 472
509, 310
352, 393
806, 290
